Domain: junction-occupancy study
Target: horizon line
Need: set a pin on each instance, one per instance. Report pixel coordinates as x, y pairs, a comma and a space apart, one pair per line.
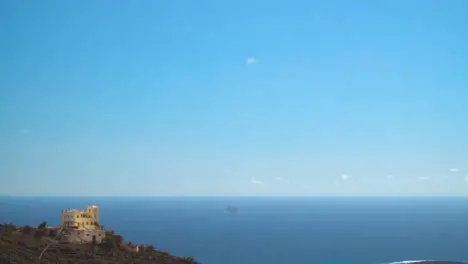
233, 196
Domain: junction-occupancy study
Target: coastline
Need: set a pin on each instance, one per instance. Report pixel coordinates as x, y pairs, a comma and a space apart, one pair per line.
26, 244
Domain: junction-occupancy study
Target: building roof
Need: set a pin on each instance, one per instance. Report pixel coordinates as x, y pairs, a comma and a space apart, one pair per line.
81, 211
74, 210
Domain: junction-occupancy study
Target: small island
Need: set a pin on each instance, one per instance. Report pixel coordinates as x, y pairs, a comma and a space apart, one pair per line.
232, 209
79, 239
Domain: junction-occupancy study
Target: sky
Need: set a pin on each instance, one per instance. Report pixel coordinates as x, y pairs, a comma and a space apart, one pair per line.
228, 98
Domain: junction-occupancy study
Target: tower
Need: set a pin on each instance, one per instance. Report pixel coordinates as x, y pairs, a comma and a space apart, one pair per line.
93, 212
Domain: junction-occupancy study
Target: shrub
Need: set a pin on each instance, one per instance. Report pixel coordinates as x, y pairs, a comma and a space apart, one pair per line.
192, 260
27, 230
52, 233
42, 225
118, 239
5, 235
7, 227
150, 248
33, 247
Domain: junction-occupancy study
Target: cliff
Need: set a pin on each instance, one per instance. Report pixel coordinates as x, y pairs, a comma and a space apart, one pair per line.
25, 244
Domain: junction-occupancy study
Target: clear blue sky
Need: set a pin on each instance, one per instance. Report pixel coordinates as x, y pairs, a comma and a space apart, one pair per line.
238, 97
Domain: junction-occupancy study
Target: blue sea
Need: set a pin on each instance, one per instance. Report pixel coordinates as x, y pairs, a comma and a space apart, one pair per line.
271, 230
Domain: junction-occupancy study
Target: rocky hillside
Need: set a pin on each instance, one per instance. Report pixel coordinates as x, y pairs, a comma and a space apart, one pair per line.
25, 244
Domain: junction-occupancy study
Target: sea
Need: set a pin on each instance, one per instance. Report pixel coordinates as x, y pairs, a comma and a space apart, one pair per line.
273, 230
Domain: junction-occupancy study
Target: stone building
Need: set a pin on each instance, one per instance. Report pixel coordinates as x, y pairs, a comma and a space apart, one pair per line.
83, 225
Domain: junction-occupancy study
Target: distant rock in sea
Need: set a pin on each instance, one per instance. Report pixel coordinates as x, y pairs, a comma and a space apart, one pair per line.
232, 209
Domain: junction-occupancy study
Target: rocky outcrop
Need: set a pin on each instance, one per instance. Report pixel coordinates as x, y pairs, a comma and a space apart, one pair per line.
25, 245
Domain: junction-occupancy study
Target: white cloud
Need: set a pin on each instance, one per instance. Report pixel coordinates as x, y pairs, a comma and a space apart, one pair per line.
255, 181
423, 178
342, 178
345, 177
23, 131
466, 178
278, 178
390, 177
251, 60
454, 170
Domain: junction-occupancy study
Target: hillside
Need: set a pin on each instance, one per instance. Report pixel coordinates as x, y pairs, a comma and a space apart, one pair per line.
25, 244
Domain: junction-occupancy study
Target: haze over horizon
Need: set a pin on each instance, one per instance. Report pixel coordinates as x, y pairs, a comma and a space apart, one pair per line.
219, 98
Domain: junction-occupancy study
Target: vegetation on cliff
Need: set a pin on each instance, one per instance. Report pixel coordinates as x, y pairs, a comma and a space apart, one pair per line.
25, 244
